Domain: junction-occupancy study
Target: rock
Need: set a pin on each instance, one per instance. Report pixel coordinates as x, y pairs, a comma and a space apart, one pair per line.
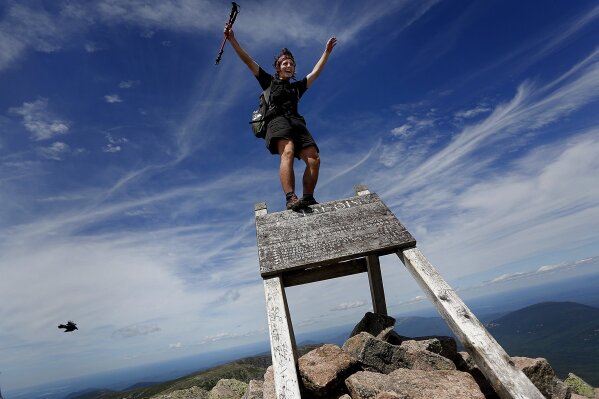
449, 348
268, 388
373, 323
577, 396
464, 362
323, 369
579, 386
190, 393
254, 391
375, 354
543, 377
388, 395
413, 384
380, 356
395, 339
429, 361
228, 389
346, 396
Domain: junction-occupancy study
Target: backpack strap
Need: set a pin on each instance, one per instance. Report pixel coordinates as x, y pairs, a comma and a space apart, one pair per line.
266, 94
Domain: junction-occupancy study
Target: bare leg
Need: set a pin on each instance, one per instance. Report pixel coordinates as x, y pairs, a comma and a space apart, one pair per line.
312, 159
286, 150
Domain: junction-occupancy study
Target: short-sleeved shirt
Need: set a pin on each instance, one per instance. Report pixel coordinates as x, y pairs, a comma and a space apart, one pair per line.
284, 120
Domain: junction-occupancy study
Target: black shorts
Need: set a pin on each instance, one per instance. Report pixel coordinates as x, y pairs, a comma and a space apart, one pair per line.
290, 128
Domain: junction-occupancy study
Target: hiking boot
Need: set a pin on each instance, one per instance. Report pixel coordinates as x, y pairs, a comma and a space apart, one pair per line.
292, 202
310, 201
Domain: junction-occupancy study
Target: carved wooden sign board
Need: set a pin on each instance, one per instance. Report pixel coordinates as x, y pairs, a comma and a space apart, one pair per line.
333, 232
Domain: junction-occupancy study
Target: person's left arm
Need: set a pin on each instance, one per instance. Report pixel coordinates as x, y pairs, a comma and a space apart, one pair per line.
321, 62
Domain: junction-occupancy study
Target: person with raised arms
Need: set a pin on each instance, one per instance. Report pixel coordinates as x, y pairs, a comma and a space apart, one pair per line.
286, 131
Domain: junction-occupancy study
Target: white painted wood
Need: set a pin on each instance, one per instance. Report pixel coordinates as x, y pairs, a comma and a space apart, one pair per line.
260, 209
361, 189
508, 381
282, 341
375, 278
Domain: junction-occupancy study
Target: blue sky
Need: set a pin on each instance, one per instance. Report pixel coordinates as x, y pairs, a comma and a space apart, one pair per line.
128, 171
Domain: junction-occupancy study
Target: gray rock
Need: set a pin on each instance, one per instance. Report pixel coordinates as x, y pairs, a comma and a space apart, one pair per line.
429, 361
323, 369
465, 363
413, 384
373, 323
228, 389
543, 377
190, 393
268, 388
449, 348
380, 356
395, 339
254, 391
375, 354
388, 395
579, 386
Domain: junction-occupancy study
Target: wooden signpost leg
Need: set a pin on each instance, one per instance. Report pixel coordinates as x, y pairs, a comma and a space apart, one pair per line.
508, 381
377, 291
282, 340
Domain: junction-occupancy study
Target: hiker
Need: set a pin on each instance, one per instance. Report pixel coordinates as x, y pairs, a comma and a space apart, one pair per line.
287, 134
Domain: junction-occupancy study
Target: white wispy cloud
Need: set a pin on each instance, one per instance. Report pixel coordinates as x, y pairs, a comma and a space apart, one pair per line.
471, 113
114, 143
56, 151
35, 28
113, 98
128, 84
40, 121
135, 331
348, 305
531, 108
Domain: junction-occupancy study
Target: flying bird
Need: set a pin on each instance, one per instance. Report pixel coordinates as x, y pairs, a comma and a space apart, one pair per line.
70, 326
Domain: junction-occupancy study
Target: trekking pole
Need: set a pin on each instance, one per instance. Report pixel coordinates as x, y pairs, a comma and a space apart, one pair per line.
232, 16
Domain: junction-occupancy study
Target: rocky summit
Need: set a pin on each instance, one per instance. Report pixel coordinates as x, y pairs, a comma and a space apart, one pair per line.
377, 363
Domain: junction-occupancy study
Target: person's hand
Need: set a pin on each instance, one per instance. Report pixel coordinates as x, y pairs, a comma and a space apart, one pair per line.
229, 34
332, 42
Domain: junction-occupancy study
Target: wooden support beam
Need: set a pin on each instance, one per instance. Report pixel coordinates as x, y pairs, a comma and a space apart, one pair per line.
377, 292
508, 381
282, 340
314, 274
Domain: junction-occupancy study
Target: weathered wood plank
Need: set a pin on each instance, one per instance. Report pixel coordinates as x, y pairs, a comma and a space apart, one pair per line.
282, 340
377, 292
507, 380
333, 232
361, 189
314, 274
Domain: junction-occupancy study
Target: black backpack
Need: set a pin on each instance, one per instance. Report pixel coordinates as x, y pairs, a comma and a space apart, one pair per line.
259, 121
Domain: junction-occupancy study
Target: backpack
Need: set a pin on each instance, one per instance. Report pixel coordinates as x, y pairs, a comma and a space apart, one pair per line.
259, 116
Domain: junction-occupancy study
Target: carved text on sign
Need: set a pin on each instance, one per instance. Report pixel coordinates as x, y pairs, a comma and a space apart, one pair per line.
334, 231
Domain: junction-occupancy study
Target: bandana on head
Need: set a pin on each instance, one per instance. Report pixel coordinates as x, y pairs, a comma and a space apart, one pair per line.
283, 58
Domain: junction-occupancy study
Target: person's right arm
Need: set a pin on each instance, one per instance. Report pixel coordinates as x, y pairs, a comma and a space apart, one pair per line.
245, 57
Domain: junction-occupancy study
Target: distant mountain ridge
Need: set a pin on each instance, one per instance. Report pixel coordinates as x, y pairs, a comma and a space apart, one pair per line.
565, 333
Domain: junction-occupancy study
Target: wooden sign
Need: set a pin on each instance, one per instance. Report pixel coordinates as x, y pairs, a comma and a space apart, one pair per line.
333, 232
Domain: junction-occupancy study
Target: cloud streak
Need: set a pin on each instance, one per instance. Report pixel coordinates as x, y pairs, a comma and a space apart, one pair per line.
40, 121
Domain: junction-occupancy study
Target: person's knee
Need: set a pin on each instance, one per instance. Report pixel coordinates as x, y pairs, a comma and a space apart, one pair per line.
286, 149
312, 158
287, 153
